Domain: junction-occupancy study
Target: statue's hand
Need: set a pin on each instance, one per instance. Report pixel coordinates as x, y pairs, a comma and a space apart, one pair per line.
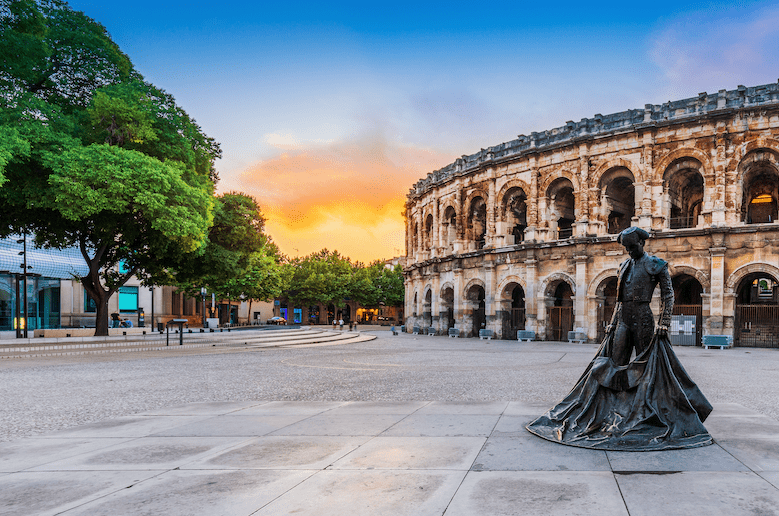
661, 331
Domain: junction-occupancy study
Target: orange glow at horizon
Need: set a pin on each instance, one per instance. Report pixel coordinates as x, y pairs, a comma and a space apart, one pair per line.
345, 196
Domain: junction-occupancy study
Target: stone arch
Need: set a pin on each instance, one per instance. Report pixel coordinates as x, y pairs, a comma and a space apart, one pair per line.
510, 210
739, 274
561, 206
475, 282
429, 231
475, 218
665, 162
612, 164
617, 199
476, 192
552, 177
511, 302
702, 278
592, 290
548, 281
684, 186
499, 296
758, 188
447, 285
513, 183
743, 150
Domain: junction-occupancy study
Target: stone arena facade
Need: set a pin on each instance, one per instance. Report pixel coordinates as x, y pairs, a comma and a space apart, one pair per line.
522, 235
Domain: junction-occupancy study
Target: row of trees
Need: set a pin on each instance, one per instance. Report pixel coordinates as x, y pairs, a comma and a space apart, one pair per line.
327, 278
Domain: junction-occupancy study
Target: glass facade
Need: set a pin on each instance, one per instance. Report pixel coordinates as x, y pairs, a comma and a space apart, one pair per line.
43, 302
128, 299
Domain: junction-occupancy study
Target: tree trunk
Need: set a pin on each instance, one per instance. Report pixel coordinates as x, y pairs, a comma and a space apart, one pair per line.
250, 312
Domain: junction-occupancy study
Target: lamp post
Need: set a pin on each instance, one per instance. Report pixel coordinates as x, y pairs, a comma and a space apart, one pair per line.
203, 292
23, 266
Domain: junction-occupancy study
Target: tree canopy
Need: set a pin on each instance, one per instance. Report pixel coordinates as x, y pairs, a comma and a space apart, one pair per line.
91, 155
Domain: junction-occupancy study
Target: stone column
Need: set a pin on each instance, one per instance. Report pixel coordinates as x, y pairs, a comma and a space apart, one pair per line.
435, 308
717, 299
720, 162
490, 279
580, 304
459, 301
490, 237
532, 205
531, 301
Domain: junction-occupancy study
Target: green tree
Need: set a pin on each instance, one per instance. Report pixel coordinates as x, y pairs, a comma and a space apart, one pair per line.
378, 284
239, 260
323, 277
93, 156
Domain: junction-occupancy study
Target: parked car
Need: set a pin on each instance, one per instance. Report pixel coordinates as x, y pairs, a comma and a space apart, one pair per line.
277, 320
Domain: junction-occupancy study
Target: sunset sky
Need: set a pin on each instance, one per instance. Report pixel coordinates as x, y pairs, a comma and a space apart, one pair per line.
327, 113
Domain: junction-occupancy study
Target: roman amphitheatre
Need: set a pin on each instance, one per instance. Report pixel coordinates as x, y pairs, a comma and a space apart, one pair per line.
522, 235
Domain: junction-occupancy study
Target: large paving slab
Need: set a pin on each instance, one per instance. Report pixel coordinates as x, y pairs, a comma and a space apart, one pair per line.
378, 458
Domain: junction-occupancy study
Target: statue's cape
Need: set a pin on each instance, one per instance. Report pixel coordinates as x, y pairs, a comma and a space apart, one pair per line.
649, 404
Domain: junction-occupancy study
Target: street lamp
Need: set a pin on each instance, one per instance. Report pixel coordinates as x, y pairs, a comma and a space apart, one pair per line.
203, 292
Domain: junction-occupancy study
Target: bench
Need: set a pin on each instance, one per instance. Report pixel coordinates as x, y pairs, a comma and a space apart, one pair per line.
578, 337
416, 330
526, 335
402, 328
454, 333
430, 331
717, 341
486, 334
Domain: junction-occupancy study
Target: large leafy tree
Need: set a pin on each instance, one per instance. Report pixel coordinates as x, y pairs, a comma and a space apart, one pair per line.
93, 156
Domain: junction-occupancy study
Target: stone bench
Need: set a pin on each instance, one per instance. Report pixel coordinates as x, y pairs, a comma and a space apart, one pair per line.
486, 334
403, 328
454, 333
578, 337
416, 330
526, 335
430, 331
717, 341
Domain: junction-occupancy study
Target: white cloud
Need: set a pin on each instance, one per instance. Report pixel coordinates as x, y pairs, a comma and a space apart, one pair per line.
709, 51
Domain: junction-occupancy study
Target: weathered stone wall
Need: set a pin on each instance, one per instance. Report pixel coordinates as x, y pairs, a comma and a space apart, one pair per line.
701, 174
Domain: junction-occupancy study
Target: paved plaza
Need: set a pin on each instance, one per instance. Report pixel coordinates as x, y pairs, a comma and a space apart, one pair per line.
399, 425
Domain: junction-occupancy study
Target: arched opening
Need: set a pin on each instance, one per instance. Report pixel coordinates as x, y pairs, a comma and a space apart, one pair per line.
446, 315
514, 213
761, 192
427, 307
449, 224
346, 313
477, 308
331, 314
415, 306
561, 202
414, 238
606, 296
429, 244
684, 185
477, 223
687, 319
618, 199
559, 311
512, 310
757, 311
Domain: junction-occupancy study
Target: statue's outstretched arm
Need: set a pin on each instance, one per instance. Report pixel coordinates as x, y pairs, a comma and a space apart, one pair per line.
667, 297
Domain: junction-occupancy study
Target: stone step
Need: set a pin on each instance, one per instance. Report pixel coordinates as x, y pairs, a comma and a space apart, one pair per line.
279, 338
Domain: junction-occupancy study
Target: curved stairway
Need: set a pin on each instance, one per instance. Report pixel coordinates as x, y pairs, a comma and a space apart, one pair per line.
225, 339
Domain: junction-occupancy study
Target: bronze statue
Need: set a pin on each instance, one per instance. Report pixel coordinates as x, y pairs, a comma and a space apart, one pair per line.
649, 403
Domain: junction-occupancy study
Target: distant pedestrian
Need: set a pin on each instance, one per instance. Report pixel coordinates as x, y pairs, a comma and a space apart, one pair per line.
335, 322
355, 325
341, 324
351, 324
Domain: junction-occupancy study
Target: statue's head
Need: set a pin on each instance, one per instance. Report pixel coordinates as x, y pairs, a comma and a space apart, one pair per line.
633, 239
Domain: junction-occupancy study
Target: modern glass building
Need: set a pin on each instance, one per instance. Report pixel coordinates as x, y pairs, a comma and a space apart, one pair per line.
45, 270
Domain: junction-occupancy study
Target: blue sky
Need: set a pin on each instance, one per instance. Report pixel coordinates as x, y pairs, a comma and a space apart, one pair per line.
328, 113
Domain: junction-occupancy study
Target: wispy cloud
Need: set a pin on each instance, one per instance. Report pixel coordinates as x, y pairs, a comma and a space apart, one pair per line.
346, 195
718, 49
